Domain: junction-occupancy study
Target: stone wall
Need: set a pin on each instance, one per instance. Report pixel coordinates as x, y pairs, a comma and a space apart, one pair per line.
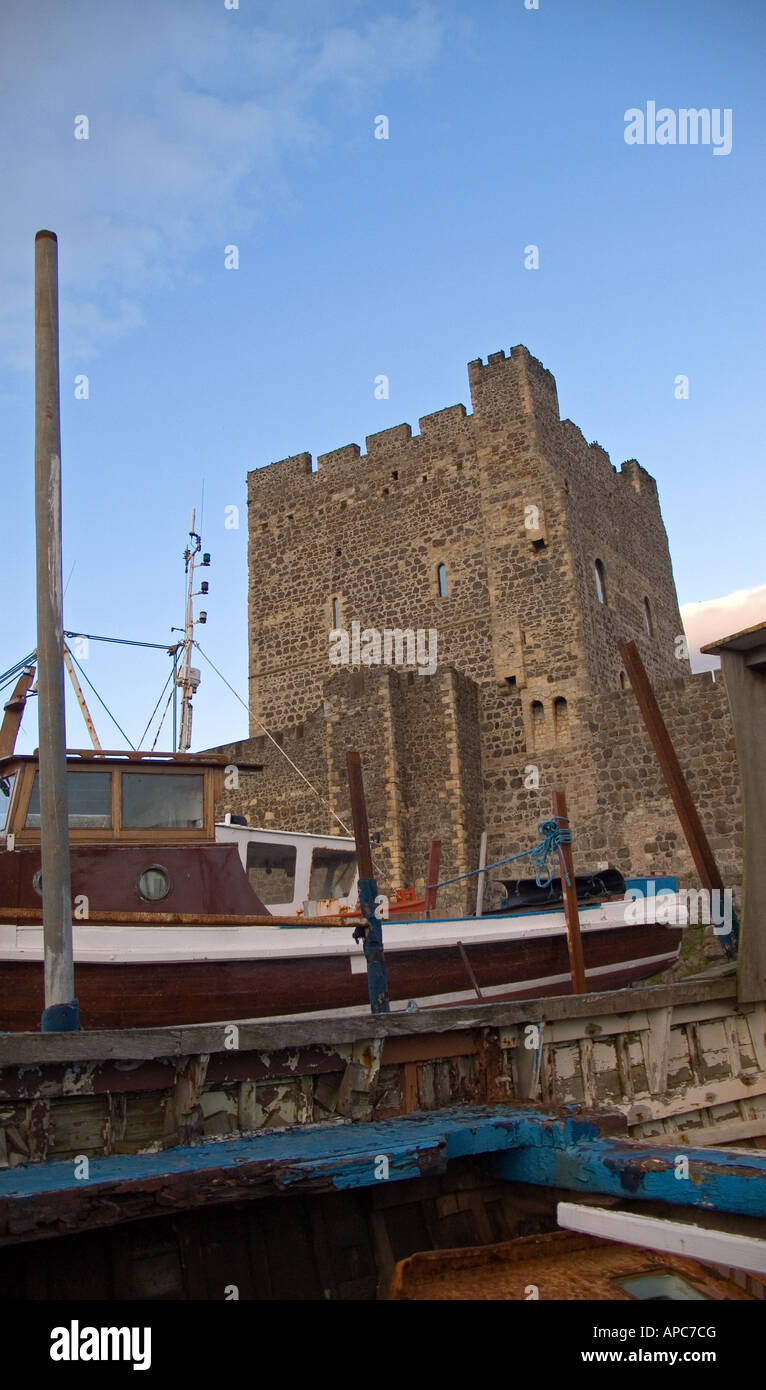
437, 766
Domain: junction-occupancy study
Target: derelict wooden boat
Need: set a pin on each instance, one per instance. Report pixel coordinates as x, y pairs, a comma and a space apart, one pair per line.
168, 927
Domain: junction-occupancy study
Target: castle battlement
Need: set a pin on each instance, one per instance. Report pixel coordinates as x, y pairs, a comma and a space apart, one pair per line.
633, 473
517, 384
506, 384
348, 464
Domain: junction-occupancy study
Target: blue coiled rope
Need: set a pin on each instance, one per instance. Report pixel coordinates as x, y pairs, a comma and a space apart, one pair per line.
553, 836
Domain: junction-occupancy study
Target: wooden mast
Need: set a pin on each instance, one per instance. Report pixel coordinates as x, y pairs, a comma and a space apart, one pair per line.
60, 1013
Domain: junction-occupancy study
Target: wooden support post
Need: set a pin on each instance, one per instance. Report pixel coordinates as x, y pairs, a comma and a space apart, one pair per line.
569, 890
377, 977
432, 875
696, 839
482, 877
469, 970
60, 1013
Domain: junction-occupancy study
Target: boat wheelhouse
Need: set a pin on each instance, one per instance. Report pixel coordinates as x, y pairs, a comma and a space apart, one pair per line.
295, 873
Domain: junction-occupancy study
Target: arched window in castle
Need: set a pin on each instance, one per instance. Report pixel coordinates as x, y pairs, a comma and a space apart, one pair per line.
538, 723
648, 624
623, 681
600, 574
561, 719
335, 615
441, 579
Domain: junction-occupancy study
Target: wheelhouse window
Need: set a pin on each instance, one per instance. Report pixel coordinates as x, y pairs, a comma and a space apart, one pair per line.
441, 579
332, 873
6, 787
600, 577
89, 797
271, 871
161, 801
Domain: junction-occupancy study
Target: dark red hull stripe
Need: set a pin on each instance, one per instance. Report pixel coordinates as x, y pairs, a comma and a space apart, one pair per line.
148, 995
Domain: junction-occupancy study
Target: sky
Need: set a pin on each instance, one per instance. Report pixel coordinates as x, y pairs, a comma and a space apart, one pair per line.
211, 126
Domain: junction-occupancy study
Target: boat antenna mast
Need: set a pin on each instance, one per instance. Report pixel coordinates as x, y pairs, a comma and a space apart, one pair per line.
188, 676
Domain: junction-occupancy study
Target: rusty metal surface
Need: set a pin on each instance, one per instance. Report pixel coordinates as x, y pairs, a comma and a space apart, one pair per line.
551, 1266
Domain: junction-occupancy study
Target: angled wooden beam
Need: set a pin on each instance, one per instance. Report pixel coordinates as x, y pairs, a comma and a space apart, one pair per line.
14, 713
699, 846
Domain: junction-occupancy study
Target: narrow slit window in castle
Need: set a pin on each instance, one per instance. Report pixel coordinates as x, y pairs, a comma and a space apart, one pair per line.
648, 624
335, 614
538, 722
441, 577
623, 681
600, 574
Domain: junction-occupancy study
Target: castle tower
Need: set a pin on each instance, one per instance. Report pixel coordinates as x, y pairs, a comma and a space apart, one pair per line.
503, 530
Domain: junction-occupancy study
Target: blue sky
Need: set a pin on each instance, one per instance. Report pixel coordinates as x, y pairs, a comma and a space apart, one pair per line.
254, 127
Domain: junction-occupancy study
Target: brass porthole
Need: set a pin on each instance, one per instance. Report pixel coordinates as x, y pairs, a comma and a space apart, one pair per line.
153, 883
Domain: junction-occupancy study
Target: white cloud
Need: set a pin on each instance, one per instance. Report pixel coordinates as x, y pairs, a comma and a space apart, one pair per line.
714, 618
194, 113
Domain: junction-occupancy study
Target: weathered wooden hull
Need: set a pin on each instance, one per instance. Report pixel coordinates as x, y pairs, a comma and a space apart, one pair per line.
147, 993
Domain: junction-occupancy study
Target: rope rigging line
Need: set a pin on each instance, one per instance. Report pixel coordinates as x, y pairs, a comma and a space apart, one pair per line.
317, 793
122, 641
16, 670
154, 711
162, 721
98, 697
553, 836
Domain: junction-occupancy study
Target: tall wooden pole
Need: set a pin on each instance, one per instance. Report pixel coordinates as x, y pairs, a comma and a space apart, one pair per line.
60, 1013
371, 932
569, 890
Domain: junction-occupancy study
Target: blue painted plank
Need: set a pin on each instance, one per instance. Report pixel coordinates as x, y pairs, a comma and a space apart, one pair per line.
718, 1179
344, 1152
552, 1149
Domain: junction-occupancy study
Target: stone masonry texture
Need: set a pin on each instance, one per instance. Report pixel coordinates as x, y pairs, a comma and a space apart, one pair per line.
551, 555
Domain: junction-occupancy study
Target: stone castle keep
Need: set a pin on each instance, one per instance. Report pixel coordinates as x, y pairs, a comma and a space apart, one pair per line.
531, 555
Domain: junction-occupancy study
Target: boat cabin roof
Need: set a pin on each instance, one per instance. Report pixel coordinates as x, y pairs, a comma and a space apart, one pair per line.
76, 757
268, 833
